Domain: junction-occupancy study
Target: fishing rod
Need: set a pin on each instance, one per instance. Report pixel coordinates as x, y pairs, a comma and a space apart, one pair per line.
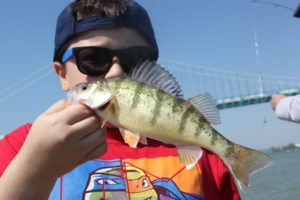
273, 4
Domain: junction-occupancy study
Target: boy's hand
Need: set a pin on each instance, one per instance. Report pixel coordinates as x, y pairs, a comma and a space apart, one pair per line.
276, 98
64, 137
59, 140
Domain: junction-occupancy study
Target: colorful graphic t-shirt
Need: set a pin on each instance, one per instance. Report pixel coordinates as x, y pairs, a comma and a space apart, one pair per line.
148, 172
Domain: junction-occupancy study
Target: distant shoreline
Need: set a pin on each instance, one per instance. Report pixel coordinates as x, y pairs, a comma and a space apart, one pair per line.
288, 147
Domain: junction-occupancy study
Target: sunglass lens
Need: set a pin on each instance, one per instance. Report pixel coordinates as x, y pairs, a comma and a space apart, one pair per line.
93, 61
132, 56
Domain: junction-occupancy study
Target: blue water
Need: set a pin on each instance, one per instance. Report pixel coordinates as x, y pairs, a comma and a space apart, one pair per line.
280, 181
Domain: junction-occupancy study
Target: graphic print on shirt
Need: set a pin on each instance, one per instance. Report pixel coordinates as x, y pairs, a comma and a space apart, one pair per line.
143, 179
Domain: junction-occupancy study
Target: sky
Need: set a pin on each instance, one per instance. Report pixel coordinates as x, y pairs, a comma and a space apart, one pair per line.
214, 33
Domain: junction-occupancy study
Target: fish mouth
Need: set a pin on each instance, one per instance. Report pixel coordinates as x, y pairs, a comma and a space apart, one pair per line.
99, 101
103, 107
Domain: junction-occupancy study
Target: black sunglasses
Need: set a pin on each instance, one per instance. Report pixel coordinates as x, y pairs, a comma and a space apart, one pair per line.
96, 61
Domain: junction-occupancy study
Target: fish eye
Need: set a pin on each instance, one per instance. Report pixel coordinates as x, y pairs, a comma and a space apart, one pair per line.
84, 87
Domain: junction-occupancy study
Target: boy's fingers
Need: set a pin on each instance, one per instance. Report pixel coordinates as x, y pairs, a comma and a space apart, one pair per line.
95, 153
85, 127
58, 106
75, 113
94, 139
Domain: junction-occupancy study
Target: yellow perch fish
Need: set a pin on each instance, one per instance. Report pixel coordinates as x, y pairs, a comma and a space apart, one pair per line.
149, 104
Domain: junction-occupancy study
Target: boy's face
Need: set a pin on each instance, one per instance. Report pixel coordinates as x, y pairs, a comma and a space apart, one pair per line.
114, 38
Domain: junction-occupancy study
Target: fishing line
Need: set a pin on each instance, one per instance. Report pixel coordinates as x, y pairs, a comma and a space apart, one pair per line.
273, 4
258, 63
260, 77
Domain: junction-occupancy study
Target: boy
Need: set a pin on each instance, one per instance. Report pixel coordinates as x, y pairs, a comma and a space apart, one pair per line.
65, 154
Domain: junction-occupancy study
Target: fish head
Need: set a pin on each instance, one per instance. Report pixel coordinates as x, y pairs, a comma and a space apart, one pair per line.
93, 94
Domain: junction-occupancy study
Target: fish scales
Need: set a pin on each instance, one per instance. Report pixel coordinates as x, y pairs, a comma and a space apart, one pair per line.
139, 106
150, 111
141, 109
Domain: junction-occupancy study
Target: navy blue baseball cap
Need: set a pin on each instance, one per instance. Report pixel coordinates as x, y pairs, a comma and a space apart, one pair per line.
135, 17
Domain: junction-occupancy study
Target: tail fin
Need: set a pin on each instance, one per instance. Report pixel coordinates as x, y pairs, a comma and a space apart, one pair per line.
245, 162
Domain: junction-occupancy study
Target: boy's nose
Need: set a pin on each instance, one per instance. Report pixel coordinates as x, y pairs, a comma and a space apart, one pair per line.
115, 69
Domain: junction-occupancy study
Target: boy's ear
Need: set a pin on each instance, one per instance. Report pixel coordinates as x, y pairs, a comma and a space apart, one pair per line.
61, 72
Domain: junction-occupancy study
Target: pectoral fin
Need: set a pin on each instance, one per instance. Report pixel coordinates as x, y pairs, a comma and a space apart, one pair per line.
189, 155
110, 108
130, 138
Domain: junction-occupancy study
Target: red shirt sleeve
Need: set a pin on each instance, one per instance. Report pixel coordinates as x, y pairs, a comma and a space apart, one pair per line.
217, 178
11, 144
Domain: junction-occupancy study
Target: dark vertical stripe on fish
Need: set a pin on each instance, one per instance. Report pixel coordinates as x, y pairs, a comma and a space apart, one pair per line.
184, 118
118, 83
136, 96
157, 107
229, 150
198, 123
177, 105
214, 136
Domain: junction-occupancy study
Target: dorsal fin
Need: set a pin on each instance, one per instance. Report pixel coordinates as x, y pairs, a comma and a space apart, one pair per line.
153, 74
207, 106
